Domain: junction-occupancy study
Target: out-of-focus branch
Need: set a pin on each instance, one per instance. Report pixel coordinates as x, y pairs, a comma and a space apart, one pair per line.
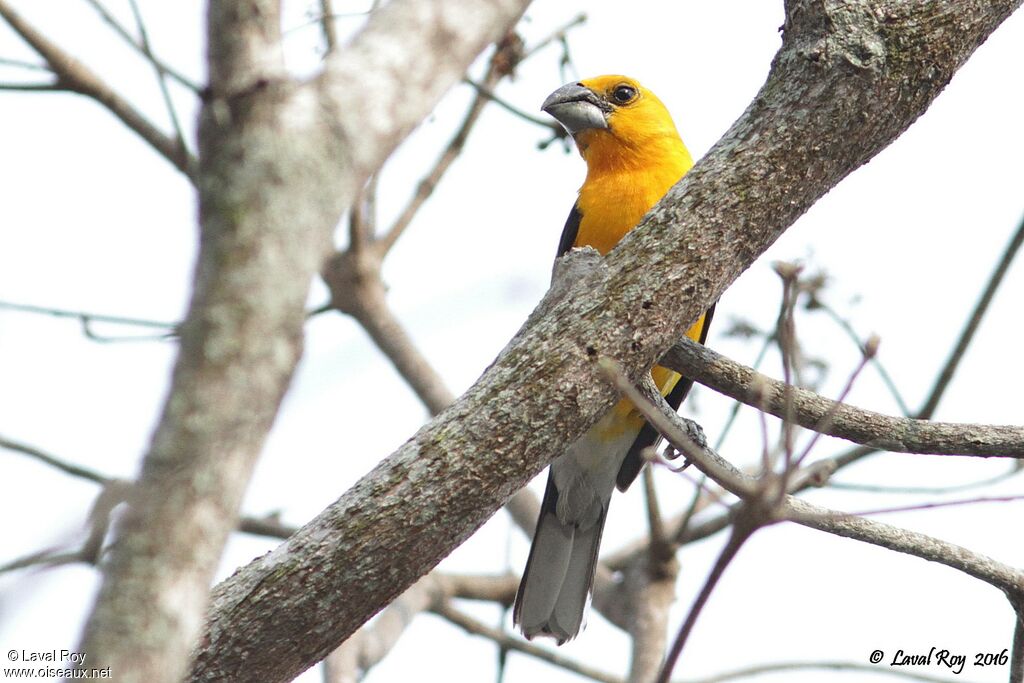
350, 661
53, 461
1002, 576
502, 62
973, 323
901, 435
161, 75
73, 75
87, 319
142, 48
505, 640
963, 341
327, 26
1017, 648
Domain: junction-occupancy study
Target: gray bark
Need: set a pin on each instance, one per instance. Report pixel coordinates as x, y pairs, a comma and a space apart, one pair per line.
849, 78
279, 162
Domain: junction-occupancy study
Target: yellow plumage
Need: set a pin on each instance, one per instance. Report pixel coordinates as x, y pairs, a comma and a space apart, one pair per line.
634, 155
630, 167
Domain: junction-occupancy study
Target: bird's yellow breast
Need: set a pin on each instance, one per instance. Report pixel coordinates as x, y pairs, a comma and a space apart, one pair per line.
611, 203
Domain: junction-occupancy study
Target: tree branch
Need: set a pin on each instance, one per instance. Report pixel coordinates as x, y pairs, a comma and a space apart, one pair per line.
843, 86
810, 410
141, 48
505, 640
73, 75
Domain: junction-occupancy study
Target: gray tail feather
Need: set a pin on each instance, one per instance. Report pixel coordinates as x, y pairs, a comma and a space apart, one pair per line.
559, 573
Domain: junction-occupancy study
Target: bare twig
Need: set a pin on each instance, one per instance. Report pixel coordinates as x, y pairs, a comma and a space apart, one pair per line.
942, 380
557, 35
1014, 470
161, 76
939, 504
76, 77
869, 351
87, 319
53, 461
471, 625
973, 323
742, 530
1004, 577
1017, 649
512, 109
21, 64
327, 26
125, 35
32, 87
498, 67
887, 379
735, 410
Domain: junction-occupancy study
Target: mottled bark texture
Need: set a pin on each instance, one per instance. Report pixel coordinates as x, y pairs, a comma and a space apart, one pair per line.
279, 162
849, 78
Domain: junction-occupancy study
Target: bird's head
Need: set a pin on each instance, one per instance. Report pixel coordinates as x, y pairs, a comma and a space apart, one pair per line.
612, 115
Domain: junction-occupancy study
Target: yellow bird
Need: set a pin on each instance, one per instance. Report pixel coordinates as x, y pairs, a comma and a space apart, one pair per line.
634, 155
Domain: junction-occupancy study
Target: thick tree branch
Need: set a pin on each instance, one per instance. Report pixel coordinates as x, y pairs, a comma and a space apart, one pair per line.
810, 410
847, 81
277, 169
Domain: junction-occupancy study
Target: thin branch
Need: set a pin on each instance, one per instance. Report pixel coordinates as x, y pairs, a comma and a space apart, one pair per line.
33, 87
1004, 577
903, 435
86, 318
76, 77
496, 70
741, 532
887, 379
557, 35
327, 26
53, 461
44, 559
1017, 648
735, 410
868, 352
661, 416
161, 75
474, 627
1014, 470
557, 130
973, 323
20, 64
939, 504
942, 380
125, 35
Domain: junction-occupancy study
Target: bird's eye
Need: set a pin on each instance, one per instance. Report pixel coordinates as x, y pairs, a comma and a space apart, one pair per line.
623, 93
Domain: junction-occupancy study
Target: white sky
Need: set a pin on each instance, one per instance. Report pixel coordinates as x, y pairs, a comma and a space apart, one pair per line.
93, 220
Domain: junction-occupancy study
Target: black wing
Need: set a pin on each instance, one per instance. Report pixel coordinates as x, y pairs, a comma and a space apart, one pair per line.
648, 435
569, 232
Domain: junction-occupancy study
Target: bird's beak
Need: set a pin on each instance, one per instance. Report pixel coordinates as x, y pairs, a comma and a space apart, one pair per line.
575, 107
